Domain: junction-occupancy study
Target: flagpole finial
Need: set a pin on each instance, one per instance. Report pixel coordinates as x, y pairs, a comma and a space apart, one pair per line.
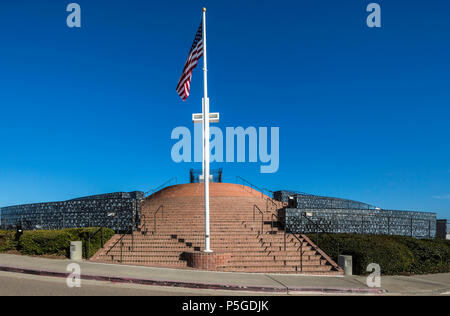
204, 10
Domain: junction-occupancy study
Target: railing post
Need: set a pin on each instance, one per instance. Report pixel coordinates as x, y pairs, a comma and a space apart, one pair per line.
338, 250
362, 225
88, 247
121, 251
389, 225
301, 256
102, 242
132, 240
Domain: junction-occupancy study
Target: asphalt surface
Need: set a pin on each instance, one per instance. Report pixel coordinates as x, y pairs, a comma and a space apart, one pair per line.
17, 284
169, 282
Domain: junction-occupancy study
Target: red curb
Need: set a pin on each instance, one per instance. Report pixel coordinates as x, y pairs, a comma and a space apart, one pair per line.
193, 285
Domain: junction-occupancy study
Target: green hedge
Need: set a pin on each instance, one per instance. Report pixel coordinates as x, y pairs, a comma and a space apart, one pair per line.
395, 254
53, 242
7, 242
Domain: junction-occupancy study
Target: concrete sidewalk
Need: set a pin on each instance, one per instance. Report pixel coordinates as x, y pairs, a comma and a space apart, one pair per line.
270, 283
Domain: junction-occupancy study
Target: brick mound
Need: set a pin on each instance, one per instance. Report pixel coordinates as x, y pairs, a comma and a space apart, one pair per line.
172, 228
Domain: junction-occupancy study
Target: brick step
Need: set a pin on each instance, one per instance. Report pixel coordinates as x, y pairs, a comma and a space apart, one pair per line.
231, 263
150, 238
235, 224
223, 237
217, 216
143, 251
179, 264
255, 258
234, 229
147, 254
154, 260
150, 244
170, 232
199, 211
277, 269
283, 262
278, 247
263, 258
198, 222
198, 230
146, 248
296, 271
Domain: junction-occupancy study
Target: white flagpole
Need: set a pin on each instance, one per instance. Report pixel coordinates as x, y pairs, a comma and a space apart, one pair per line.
206, 137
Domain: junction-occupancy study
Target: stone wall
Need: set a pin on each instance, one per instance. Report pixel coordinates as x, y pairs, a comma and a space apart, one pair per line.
118, 211
309, 213
442, 230
378, 222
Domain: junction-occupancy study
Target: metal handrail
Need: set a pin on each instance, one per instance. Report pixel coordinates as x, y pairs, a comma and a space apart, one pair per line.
273, 203
161, 208
317, 225
300, 248
270, 191
130, 230
252, 186
143, 227
271, 222
146, 194
255, 207
102, 244
285, 235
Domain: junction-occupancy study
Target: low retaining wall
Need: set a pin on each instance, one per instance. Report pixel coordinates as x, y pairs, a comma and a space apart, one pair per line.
207, 261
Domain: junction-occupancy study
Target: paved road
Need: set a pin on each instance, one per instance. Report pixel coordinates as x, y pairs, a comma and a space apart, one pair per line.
29, 284
16, 284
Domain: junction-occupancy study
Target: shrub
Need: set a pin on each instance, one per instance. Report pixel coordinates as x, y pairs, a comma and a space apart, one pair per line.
394, 254
7, 241
53, 242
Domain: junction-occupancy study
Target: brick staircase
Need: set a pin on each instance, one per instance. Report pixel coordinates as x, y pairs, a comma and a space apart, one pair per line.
173, 223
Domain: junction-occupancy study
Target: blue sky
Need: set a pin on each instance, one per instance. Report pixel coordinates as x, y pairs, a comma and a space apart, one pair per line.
363, 113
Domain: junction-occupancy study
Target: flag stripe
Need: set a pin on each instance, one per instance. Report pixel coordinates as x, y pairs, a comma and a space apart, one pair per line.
196, 52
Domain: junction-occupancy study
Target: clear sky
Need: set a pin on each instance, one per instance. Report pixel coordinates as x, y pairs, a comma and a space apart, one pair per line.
363, 113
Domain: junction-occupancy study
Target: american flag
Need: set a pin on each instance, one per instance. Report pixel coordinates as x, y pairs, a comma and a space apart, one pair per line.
184, 85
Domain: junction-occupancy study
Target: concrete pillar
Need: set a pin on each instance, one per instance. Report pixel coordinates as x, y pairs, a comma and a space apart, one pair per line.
346, 263
76, 250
